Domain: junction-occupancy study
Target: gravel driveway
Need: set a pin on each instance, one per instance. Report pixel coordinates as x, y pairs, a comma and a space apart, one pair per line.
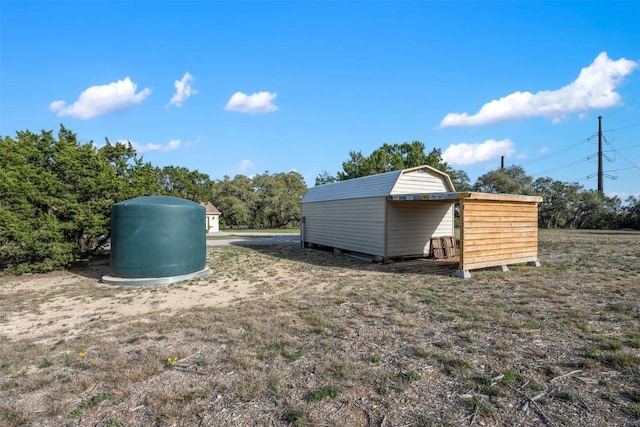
253, 239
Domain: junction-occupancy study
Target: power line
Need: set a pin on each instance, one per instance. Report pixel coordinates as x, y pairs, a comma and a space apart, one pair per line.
584, 159
613, 130
556, 152
624, 169
600, 154
617, 152
607, 172
621, 148
625, 127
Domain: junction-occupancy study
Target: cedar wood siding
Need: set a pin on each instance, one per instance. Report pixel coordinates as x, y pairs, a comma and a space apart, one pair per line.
497, 233
351, 224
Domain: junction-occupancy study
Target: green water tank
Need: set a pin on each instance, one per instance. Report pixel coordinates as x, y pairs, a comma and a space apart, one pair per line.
157, 236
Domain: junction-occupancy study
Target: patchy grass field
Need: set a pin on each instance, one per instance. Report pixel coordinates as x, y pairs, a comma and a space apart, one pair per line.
287, 336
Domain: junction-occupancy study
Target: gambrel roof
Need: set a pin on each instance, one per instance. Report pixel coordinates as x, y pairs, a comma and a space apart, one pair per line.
382, 185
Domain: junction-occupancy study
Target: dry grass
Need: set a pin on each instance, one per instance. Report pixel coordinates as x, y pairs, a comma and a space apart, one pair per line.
326, 340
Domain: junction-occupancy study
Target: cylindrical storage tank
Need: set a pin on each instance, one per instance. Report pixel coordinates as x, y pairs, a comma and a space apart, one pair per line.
157, 237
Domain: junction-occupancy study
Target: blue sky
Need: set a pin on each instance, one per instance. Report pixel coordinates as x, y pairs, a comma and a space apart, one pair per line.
246, 87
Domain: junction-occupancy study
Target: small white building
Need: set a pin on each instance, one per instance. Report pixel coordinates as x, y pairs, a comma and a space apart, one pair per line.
358, 215
212, 218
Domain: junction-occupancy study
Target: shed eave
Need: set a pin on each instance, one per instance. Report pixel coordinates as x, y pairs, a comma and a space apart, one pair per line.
454, 196
446, 196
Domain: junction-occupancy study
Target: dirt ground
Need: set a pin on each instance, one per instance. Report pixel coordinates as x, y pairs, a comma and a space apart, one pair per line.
63, 308
69, 313
279, 335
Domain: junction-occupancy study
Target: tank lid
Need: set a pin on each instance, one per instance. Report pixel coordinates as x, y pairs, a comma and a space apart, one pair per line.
158, 201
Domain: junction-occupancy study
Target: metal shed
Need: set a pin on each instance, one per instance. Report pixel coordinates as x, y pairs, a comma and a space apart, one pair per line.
396, 214
357, 215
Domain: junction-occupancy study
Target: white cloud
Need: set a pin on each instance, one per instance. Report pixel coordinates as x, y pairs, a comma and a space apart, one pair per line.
258, 103
623, 195
544, 149
104, 99
183, 90
172, 145
467, 154
594, 89
246, 164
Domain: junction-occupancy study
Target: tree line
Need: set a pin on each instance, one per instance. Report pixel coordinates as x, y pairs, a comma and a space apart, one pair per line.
391, 157
565, 204
56, 194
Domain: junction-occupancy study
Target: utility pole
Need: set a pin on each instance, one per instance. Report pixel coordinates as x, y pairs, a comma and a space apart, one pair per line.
501, 162
600, 172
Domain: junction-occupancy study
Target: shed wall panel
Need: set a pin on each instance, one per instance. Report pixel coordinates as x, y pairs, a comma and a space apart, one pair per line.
498, 233
353, 224
420, 182
410, 226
